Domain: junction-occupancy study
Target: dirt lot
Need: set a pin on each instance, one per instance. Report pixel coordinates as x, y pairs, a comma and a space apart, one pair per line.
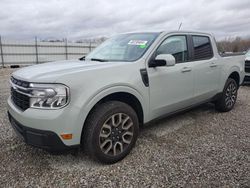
199, 148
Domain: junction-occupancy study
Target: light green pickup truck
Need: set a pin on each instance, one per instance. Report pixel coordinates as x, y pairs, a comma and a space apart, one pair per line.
100, 101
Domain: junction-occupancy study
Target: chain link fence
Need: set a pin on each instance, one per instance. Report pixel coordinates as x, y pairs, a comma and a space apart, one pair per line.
13, 52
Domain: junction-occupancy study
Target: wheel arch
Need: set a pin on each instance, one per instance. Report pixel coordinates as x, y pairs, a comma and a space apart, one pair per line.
236, 76
125, 97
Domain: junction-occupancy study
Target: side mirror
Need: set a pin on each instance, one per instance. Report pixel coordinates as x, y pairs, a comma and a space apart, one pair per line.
162, 60
82, 58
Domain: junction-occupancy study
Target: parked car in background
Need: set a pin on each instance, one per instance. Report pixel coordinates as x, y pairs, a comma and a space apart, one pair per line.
247, 68
100, 101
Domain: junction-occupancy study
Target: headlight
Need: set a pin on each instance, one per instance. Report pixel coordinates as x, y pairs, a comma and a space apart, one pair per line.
48, 96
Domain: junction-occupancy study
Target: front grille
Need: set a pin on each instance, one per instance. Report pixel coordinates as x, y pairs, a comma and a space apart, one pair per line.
18, 95
247, 66
19, 99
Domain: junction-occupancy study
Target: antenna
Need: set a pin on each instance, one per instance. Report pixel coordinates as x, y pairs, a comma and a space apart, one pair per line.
180, 26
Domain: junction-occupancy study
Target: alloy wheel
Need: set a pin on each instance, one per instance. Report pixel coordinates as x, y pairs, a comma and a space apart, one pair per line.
231, 94
116, 134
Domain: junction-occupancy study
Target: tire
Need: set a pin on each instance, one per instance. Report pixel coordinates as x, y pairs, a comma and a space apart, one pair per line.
110, 132
229, 96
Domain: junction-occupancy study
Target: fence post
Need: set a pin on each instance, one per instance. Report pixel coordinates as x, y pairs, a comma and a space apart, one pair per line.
66, 48
90, 47
1, 49
36, 50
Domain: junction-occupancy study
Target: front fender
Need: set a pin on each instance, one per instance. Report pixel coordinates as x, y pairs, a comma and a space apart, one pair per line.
96, 97
100, 94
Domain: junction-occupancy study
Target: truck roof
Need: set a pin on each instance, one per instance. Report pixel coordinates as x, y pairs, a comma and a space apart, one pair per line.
174, 31
186, 31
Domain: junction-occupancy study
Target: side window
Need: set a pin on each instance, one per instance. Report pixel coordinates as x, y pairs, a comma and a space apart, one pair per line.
202, 48
175, 45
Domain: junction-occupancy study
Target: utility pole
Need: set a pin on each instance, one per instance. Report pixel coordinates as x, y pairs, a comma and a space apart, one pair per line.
36, 50
1, 50
66, 48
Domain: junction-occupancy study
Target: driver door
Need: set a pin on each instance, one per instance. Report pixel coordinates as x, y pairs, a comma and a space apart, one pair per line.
171, 87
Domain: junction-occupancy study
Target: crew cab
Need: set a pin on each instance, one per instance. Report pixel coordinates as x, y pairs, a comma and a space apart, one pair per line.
100, 101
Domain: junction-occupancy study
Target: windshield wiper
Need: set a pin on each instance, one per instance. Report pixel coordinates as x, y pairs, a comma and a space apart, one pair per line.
96, 59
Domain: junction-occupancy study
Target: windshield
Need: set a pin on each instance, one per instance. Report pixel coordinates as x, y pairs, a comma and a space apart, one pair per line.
124, 47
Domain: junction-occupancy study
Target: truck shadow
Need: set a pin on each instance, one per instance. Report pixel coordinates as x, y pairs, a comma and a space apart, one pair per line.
160, 128
78, 159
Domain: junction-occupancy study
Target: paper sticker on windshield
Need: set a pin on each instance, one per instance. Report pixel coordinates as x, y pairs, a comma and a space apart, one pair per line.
143, 46
138, 42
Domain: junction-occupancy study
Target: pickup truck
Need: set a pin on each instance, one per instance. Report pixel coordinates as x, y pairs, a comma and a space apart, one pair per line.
100, 101
247, 68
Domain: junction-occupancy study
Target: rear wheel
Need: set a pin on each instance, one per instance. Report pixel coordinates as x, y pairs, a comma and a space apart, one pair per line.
228, 98
110, 131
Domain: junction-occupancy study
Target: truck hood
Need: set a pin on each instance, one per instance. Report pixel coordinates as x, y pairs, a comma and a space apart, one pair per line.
50, 72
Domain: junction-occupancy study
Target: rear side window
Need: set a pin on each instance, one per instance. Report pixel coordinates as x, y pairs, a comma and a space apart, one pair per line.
202, 48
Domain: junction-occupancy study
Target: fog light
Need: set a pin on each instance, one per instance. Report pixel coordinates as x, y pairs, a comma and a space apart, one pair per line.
67, 136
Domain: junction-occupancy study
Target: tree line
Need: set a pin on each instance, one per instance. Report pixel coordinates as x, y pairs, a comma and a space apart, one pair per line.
236, 44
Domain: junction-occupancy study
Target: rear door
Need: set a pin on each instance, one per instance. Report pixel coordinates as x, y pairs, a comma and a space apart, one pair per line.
206, 68
172, 87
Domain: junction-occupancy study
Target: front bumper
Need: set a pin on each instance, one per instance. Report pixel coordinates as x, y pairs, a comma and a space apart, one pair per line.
39, 138
61, 121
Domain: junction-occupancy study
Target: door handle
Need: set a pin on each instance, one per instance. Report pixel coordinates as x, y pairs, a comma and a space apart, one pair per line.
186, 69
213, 65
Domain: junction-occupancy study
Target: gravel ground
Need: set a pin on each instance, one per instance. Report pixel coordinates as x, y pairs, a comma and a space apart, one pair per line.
199, 148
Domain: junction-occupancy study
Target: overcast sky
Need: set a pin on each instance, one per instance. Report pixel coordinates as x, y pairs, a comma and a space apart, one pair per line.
76, 19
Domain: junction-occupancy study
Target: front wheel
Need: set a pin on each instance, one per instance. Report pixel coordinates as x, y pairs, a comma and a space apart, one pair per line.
110, 131
228, 98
